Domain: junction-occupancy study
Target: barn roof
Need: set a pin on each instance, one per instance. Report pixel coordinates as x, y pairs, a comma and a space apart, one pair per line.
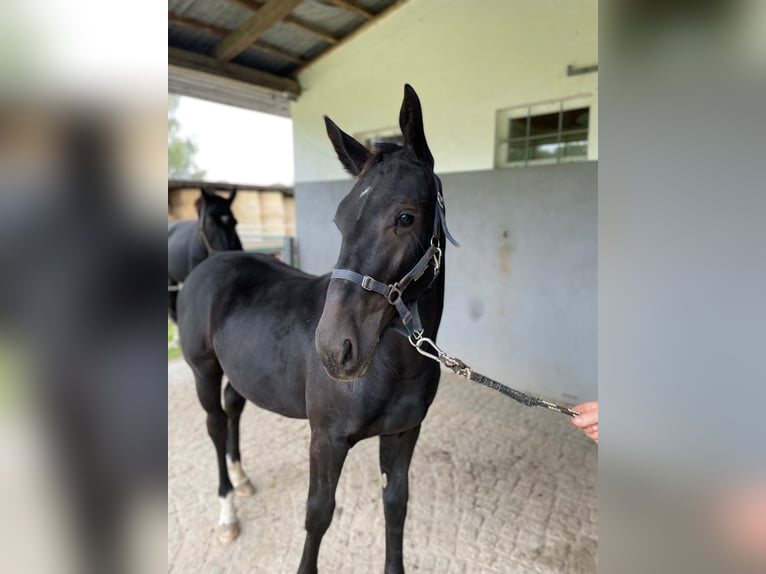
249, 52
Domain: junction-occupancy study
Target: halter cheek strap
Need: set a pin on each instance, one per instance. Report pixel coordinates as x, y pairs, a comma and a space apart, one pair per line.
203, 235
393, 292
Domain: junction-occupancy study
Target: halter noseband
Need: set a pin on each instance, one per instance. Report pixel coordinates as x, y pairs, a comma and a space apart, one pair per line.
394, 292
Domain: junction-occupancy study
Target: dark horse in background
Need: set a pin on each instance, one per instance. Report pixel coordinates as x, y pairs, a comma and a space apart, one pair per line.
191, 242
325, 348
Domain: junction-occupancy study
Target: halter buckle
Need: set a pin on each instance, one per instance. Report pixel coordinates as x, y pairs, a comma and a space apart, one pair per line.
394, 290
367, 283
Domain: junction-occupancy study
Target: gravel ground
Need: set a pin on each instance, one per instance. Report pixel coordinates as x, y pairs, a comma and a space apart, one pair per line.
495, 487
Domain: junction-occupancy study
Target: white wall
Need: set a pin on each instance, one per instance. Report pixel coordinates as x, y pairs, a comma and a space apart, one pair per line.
466, 60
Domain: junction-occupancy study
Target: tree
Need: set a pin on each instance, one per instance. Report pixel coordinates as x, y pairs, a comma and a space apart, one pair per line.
181, 150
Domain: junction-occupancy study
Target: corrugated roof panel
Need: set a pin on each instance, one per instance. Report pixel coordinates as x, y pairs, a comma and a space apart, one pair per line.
219, 12
179, 5
335, 20
291, 39
191, 39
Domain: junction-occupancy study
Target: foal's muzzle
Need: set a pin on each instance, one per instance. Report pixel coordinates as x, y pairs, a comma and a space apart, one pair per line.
346, 346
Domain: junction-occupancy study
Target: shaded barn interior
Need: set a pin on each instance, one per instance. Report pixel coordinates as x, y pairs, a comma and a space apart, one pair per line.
249, 52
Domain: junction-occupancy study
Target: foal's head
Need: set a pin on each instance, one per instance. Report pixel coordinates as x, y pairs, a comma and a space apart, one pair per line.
387, 222
216, 221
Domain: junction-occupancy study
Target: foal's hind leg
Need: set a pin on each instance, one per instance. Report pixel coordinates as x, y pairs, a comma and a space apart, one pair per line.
395, 456
233, 404
173, 289
207, 377
326, 460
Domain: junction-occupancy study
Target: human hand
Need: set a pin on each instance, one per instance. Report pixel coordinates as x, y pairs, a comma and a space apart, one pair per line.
588, 419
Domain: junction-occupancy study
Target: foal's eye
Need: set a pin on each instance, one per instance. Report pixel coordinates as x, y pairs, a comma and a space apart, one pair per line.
225, 219
405, 219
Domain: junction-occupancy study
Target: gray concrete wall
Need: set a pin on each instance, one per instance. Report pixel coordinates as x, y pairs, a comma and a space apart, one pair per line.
521, 289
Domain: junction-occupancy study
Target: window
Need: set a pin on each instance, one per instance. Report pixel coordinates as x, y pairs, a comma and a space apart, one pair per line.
546, 133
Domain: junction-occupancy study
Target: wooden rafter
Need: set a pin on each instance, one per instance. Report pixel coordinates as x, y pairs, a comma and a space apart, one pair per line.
352, 7
291, 20
220, 31
211, 66
359, 30
271, 13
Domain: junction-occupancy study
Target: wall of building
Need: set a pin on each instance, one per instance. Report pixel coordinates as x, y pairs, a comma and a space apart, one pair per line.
466, 60
521, 290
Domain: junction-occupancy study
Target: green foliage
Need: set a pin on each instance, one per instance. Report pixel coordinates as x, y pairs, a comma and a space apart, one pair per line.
181, 150
174, 351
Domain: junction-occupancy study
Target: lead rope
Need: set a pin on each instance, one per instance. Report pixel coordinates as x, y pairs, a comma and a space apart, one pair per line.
460, 368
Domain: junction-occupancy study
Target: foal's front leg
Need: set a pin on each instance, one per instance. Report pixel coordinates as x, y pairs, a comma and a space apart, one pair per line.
328, 453
395, 456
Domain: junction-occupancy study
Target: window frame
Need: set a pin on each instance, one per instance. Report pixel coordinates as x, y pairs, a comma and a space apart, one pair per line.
503, 139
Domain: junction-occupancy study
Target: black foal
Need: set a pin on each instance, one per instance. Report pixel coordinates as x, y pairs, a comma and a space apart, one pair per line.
327, 348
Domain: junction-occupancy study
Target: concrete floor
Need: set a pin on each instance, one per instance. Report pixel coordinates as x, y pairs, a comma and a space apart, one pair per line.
495, 487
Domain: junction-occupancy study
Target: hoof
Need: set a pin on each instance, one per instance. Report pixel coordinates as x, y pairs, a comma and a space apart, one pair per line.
245, 489
228, 532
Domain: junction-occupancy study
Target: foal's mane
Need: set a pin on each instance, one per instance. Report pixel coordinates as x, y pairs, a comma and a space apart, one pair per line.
380, 152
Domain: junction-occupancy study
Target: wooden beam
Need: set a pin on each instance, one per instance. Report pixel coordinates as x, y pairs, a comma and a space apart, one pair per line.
208, 65
219, 31
291, 20
204, 86
379, 16
355, 8
257, 24
174, 18
176, 184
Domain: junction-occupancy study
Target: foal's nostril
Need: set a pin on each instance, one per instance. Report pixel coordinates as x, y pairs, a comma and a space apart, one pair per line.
347, 349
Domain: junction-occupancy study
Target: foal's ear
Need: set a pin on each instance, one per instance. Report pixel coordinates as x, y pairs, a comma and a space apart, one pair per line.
232, 195
411, 124
351, 153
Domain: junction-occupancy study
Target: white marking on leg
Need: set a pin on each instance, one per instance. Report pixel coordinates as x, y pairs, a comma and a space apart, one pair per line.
236, 474
385, 480
228, 511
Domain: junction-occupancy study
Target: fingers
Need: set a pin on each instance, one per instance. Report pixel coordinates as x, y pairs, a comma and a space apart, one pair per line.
587, 421
592, 432
586, 407
588, 415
